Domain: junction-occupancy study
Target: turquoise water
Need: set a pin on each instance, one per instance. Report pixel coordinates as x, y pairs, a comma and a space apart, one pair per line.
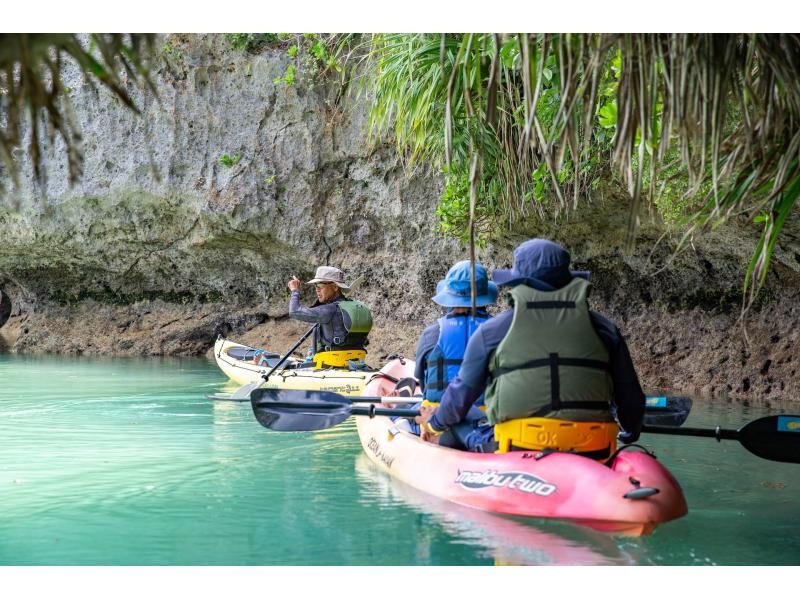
126, 462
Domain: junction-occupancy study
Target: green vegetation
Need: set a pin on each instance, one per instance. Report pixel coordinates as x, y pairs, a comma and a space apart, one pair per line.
172, 51
531, 123
287, 77
252, 43
316, 54
228, 161
417, 92
453, 209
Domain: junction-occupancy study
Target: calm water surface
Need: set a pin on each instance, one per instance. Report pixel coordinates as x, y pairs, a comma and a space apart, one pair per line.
126, 462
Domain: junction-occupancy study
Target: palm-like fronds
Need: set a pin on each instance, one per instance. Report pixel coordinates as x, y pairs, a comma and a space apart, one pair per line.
31, 88
407, 82
729, 103
447, 97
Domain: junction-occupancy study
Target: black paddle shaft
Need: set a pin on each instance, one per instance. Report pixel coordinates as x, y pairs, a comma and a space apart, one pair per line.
718, 433
775, 437
372, 411
369, 410
297, 410
289, 352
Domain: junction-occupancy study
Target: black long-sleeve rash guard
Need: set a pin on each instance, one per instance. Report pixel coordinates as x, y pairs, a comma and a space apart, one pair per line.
328, 315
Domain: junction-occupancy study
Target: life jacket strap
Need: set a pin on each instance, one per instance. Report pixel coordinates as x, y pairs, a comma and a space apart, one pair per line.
353, 340
550, 304
554, 362
441, 363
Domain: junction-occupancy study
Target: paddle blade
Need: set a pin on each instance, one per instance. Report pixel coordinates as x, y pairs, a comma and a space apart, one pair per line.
776, 437
243, 392
666, 410
218, 397
298, 410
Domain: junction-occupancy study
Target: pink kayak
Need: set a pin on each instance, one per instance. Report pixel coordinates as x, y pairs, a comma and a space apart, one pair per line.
631, 496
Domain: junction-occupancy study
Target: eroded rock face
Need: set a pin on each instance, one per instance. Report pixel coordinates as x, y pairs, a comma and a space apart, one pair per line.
165, 243
220, 191
5, 307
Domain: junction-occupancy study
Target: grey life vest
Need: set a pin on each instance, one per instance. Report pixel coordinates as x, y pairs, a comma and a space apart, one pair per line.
551, 363
357, 321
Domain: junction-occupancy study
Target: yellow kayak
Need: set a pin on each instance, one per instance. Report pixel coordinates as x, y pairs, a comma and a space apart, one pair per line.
236, 361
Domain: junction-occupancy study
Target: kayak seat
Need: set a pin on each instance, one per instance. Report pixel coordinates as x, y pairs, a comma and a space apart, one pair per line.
406, 387
337, 359
248, 354
380, 374
596, 440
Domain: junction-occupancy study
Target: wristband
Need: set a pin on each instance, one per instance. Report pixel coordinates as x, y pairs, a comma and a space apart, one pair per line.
432, 430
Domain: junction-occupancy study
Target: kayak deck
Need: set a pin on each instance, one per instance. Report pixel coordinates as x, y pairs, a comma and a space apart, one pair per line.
232, 359
235, 361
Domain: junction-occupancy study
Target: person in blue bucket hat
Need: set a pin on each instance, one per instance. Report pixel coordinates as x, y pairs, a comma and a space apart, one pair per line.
548, 356
455, 289
441, 346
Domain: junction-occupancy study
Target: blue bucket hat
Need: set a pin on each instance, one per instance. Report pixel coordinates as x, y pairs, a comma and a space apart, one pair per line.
454, 289
539, 260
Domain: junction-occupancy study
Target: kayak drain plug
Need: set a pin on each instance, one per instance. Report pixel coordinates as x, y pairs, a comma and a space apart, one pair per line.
638, 492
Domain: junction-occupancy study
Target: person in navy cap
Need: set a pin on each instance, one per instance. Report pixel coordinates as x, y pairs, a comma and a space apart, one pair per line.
549, 356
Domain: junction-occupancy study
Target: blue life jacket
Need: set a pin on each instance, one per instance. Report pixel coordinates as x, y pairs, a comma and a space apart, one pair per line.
444, 360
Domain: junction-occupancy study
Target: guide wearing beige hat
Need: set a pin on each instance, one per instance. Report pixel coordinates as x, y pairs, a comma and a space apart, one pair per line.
330, 274
343, 323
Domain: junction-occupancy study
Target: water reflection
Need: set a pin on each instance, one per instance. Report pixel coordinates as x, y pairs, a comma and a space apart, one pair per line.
508, 541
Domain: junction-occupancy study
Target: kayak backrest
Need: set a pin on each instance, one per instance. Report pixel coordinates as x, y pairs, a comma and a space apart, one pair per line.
539, 433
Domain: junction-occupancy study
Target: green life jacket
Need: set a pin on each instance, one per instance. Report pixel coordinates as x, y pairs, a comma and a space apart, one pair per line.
551, 363
360, 323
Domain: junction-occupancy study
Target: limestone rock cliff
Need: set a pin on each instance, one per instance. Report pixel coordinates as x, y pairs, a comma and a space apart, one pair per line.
190, 219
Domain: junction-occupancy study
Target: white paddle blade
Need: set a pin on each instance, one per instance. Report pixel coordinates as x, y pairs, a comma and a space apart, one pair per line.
243, 393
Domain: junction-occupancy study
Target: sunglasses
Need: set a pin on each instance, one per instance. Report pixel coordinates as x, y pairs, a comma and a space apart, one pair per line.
322, 285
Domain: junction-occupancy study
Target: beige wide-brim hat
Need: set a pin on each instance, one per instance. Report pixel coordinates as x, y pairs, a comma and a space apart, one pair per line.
330, 274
